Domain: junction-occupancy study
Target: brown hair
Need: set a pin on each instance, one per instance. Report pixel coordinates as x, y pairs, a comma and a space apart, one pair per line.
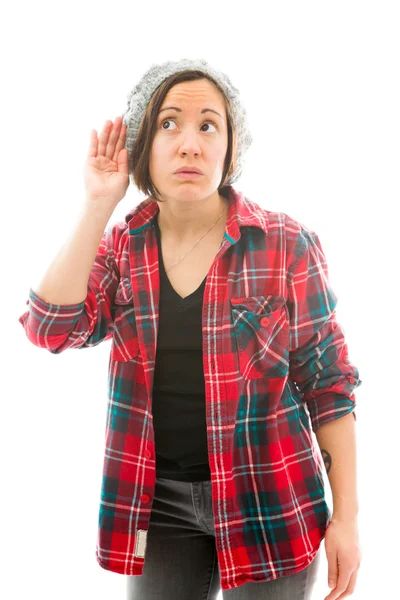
140, 156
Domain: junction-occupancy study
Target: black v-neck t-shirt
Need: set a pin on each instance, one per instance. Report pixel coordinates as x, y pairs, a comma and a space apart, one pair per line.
179, 412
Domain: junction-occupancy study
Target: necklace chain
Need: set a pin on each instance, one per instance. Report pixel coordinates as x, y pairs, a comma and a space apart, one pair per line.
180, 259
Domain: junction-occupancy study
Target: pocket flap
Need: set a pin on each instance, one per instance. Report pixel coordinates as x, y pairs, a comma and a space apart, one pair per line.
259, 304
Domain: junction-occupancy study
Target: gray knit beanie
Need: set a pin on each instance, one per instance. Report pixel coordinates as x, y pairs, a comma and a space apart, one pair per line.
140, 96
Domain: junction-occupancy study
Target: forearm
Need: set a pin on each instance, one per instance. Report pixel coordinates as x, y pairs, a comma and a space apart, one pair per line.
337, 441
66, 279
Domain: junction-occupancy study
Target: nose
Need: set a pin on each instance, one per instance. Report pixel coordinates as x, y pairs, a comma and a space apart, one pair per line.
189, 142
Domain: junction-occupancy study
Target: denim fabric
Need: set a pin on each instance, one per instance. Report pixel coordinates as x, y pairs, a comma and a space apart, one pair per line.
181, 559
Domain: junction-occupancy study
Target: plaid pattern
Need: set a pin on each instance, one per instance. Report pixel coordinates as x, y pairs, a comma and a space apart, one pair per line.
275, 366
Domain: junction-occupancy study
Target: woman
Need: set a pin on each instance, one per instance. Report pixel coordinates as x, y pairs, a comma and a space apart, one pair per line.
225, 352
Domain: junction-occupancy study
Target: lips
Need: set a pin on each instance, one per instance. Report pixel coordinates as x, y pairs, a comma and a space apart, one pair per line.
189, 170
188, 175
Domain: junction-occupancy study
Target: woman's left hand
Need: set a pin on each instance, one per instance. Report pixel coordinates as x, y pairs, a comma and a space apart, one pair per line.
344, 556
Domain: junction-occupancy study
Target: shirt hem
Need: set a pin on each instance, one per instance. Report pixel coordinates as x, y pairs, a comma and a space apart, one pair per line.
249, 578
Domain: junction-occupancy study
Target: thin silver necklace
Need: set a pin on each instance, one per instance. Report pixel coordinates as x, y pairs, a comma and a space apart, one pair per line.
180, 259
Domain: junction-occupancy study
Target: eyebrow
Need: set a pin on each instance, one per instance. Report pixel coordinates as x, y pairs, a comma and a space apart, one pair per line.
180, 110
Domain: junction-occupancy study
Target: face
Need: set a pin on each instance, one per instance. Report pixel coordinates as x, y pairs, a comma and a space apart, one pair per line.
190, 137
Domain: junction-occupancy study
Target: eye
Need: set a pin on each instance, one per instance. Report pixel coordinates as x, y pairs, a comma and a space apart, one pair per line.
173, 121
166, 121
209, 123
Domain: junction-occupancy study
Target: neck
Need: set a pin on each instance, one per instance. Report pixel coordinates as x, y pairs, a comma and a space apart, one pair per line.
188, 220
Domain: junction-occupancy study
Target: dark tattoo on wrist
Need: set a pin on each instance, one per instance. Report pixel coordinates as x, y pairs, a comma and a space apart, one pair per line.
327, 460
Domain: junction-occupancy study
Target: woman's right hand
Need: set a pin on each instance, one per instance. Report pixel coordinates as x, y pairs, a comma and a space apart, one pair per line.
106, 169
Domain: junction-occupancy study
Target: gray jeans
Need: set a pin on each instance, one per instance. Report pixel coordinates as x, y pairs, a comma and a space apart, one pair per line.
181, 558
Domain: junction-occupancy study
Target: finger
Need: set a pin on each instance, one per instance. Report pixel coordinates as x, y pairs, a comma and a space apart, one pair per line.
332, 570
93, 144
351, 587
113, 138
343, 582
120, 143
103, 139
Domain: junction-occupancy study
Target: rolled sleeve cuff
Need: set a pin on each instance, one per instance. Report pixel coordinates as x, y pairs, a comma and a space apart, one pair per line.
46, 324
329, 406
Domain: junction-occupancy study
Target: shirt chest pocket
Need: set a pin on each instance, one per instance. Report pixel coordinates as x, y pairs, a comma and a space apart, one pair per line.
125, 344
261, 331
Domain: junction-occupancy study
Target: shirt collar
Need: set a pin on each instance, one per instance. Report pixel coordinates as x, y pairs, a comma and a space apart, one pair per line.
243, 212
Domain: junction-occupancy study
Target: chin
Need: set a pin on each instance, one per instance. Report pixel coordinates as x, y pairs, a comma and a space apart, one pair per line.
190, 189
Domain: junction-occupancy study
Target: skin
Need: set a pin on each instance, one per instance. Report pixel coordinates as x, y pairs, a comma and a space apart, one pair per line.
190, 206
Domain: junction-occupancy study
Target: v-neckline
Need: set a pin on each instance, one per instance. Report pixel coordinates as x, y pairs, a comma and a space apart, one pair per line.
182, 302
186, 300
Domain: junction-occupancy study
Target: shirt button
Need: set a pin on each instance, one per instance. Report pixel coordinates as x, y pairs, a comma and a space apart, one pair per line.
264, 321
27, 302
145, 498
352, 380
147, 453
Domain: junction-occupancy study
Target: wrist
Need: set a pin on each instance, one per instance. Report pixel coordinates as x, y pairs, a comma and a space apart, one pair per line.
345, 515
101, 208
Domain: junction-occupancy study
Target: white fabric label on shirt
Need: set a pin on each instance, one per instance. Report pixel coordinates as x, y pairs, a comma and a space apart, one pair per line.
141, 539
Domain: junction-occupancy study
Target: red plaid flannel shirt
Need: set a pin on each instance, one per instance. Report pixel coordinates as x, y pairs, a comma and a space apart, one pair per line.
275, 364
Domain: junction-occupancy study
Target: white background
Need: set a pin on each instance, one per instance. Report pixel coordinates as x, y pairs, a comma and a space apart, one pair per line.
320, 84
